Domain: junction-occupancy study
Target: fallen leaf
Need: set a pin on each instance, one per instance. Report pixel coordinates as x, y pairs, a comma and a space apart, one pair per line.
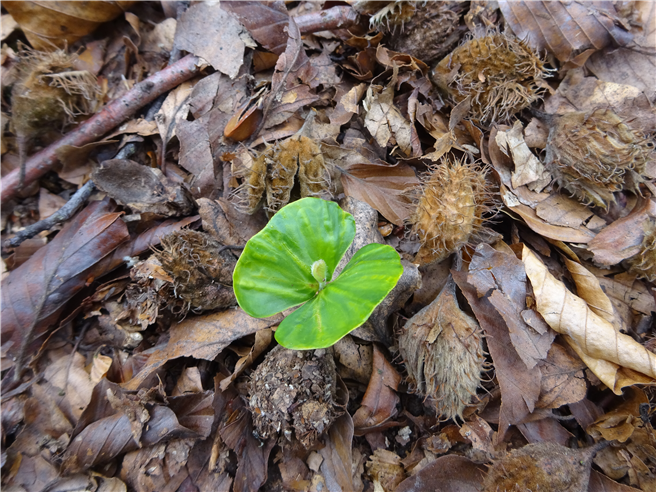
622, 239
383, 187
383, 120
236, 431
379, 402
571, 31
49, 203
528, 169
589, 289
561, 210
266, 21
449, 473
563, 381
348, 105
61, 25
520, 386
616, 359
504, 274
201, 337
262, 341
34, 294
208, 31
601, 483
337, 465
631, 66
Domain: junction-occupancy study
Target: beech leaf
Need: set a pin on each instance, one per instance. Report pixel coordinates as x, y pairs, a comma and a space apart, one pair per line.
606, 352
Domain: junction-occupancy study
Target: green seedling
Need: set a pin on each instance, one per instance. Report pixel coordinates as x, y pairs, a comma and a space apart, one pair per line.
291, 262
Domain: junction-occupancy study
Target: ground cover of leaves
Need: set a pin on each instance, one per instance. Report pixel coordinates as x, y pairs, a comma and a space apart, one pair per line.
506, 150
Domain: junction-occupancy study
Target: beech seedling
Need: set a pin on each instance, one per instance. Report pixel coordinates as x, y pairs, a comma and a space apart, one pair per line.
291, 262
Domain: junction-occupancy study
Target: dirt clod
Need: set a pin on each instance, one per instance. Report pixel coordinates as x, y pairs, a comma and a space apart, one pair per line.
292, 393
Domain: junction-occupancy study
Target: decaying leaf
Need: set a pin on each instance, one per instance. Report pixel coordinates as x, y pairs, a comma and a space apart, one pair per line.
34, 293
571, 31
46, 25
210, 32
380, 400
616, 359
383, 120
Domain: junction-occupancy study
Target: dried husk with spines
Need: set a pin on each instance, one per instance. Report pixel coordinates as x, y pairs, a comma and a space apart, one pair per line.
451, 208
595, 154
49, 93
499, 74
443, 353
200, 268
643, 265
273, 174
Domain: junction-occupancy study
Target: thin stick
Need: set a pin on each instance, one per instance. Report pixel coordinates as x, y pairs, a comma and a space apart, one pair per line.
64, 213
326, 20
109, 117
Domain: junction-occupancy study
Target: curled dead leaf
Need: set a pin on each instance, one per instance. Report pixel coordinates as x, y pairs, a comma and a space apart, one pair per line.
616, 359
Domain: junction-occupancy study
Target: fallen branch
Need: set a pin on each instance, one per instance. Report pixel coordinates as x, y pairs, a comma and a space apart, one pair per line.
326, 20
64, 213
109, 117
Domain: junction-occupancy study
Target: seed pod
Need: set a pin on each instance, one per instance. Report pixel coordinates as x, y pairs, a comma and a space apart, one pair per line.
543, 466
443, 353
49, 93
450, 209
644, 263
500, 74
275, 170
593, 155
201, 272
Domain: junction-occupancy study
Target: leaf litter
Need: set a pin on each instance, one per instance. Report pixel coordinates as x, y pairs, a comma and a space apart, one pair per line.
509, 162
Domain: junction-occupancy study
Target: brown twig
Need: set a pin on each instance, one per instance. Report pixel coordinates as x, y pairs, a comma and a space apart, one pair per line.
109, 117
64, 213
325, 20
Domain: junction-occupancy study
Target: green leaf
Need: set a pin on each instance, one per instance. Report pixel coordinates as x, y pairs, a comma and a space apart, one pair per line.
274, 271
345, 303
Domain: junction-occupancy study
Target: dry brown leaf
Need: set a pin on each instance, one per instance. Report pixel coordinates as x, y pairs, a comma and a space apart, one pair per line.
561, 210
266, 21
572, 31
208, 31
502, 273
383, 187
262, 341
528, 169
202, 337
616, 359
631, 66
601, 483
622, 239
589, 289
581, 234
348, 105
563, 380
383, 120
625, 288
46, 24
447, 474
380, 400
337, 465
520, 386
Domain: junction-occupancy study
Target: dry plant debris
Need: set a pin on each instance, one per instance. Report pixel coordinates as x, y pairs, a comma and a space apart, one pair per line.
505, 150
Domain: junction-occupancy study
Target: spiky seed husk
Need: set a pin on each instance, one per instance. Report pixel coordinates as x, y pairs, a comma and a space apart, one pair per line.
201, 271
49, 92
593, 155
499, 73
643, 264
450, 209
279, 179
275, 170
443, 353
542, 466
